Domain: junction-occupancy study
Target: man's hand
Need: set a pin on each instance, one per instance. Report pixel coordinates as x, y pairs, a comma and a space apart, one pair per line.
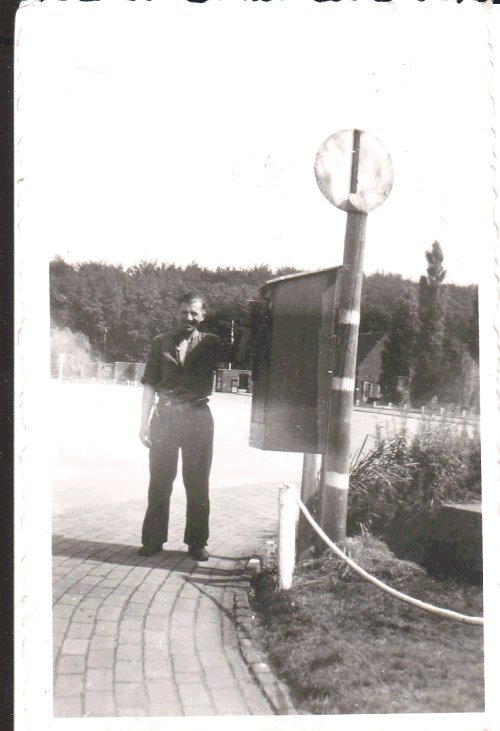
148, 398
144, 435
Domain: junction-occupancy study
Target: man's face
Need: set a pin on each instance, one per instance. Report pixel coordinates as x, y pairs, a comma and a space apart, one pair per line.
190, 315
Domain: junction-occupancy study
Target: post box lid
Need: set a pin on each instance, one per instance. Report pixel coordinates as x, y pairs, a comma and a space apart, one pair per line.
299, 275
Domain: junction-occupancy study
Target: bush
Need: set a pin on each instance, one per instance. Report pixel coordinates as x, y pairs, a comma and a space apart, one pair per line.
397, 486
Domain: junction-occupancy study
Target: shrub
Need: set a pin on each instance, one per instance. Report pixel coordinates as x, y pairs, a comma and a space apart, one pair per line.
397, 486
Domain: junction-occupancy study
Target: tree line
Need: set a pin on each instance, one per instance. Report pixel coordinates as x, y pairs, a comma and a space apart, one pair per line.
119, 310
433, 341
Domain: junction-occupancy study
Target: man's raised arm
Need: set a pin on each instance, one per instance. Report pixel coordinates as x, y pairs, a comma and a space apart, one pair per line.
235, 352
241, 351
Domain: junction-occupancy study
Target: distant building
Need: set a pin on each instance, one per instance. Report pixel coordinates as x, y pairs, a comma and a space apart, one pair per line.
461, 388
233, 380
369, 366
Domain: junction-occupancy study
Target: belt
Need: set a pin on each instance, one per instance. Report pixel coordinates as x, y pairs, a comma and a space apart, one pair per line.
164, 401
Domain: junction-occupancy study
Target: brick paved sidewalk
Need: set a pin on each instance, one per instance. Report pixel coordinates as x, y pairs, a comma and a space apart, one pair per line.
157, 636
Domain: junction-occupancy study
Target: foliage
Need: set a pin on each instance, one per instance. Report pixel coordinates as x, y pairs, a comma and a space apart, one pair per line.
460, 354
427, 376
396, 485
398, 351
459, 376
383, 291
120, 310
434, 347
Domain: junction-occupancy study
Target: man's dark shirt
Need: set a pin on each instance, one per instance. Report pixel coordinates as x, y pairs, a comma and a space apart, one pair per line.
191, 381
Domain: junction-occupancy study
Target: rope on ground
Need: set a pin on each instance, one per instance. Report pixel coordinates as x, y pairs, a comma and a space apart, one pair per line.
448, 613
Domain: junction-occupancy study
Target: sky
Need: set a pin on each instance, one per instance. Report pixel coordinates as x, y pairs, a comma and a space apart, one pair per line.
185, 132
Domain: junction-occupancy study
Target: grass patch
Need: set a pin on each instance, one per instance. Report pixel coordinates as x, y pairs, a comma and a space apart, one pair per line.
344, 646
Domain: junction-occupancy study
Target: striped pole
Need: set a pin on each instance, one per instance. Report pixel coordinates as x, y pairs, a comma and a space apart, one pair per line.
354, 172
335, 466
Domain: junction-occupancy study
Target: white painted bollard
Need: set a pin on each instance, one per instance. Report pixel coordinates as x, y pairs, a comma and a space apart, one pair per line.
288, 514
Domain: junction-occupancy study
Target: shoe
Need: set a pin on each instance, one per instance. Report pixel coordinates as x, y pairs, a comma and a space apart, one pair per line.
149, 550
198, 553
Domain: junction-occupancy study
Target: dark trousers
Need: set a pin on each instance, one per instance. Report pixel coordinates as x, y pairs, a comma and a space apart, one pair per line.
190, 429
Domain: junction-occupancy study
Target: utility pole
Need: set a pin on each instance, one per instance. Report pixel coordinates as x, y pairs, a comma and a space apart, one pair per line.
354, 172
232, 340
308, 489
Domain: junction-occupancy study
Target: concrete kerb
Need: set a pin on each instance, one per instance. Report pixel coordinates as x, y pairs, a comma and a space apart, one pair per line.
272, 687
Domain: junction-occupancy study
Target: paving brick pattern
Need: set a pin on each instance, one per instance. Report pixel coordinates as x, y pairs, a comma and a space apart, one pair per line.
157, 636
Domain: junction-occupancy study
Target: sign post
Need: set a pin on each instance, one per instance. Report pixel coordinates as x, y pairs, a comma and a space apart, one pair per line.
308, 490
354, 172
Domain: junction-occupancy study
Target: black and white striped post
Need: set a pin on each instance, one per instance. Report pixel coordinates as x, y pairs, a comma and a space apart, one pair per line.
354, 172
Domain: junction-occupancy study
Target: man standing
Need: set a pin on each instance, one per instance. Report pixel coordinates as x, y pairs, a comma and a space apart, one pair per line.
179, 370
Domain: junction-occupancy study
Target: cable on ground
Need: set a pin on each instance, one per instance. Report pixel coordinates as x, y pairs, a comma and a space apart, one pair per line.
448, 613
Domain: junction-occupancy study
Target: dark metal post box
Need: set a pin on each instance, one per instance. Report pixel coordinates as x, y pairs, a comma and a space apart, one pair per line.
291, 346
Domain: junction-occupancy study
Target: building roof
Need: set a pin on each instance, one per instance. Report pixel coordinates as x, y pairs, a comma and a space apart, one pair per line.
366, 342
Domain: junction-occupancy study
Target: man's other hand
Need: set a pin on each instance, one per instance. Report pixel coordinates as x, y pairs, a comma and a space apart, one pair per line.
144, 436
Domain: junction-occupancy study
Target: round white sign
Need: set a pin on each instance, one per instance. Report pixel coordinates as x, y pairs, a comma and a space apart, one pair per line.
354, 171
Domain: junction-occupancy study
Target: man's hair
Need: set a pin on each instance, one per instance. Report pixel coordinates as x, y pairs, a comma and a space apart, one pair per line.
189, 297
